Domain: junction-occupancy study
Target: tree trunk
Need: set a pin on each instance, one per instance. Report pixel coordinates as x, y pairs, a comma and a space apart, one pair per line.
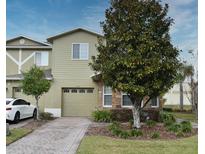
136, 117
192, 94
181, 96
37, 108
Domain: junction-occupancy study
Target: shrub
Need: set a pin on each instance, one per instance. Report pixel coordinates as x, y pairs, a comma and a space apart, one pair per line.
186, 126
124, 134
155, 135
174, 127
122, 115
168, 123
167, 118
150, 114
102, 116
180, 134
167, 109
136, 133
151, 123
115, 128
46, 116
125, 115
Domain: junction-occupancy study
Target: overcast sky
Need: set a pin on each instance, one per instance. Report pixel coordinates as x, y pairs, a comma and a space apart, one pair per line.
40, 19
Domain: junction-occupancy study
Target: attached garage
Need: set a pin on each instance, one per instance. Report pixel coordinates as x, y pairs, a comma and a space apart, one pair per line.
78, 101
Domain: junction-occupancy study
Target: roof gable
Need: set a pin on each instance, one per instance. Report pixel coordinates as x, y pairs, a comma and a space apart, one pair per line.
50, 39
24, 41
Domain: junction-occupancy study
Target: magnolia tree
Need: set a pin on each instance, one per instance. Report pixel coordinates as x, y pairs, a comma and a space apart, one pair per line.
35, 84
137, 57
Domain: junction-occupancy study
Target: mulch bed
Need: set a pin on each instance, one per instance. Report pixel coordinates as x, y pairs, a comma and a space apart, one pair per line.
102, 129
34, 124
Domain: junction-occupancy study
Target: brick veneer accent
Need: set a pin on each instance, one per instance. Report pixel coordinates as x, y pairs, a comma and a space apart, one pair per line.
116, 98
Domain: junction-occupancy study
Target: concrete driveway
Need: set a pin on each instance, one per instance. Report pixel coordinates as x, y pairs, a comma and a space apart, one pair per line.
20, 124
61, 136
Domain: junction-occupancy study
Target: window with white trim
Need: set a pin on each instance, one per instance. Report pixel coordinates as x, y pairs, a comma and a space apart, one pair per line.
80, 51
107, 96
126, 102
155, 102
41, 59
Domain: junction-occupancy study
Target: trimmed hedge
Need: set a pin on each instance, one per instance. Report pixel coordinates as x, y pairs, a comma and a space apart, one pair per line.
121, 115
125, 115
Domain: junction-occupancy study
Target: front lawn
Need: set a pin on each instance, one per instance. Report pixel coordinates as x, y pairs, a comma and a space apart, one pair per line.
186, 116
106, 145
16, 134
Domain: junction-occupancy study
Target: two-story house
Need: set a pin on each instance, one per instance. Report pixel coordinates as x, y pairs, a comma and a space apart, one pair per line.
75, 90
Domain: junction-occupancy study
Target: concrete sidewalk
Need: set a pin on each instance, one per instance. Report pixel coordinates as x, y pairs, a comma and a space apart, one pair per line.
61, 136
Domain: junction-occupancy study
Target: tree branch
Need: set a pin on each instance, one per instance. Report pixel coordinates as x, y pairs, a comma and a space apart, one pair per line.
146, 102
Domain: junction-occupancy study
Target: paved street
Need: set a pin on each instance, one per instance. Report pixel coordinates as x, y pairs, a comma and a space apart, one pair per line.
61, 136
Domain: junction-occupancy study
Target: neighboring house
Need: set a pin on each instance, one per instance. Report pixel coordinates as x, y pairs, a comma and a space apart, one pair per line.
75, 90
173, 95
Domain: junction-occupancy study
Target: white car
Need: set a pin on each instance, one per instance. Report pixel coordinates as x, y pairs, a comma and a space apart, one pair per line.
17, 109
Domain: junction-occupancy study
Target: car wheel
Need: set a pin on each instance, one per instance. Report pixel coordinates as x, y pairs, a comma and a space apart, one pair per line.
17, 117
35, 114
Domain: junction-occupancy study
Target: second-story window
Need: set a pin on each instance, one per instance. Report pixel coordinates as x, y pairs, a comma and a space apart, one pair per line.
41, 58
80, 51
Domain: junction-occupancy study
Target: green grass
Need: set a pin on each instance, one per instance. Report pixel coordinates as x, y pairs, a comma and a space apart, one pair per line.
106, 145
16, 134
187, 116
186, 107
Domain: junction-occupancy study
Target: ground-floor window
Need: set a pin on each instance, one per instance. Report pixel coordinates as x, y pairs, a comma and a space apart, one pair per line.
107, 96
155, 102
126, 102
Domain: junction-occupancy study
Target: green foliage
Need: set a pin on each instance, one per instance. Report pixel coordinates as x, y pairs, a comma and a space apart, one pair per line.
186, 126
136, 133
34, 82
138, 57
167, 117
115, 129
102, 116
174, 127
155, 135
180, 134
151, 123
124, 134
46, 116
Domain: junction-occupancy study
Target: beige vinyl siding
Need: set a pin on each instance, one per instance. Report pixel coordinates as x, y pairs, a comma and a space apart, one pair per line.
14, 53
11, 67
71, 73
63, 65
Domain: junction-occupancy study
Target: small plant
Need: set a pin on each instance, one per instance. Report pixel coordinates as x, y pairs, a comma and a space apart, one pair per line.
46, 116
136, 133
150, 123
131, 123
180, 134
124, 134
115, 128
167, 117
186, 126
174, 127
102, 116
155, 135
168, 123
